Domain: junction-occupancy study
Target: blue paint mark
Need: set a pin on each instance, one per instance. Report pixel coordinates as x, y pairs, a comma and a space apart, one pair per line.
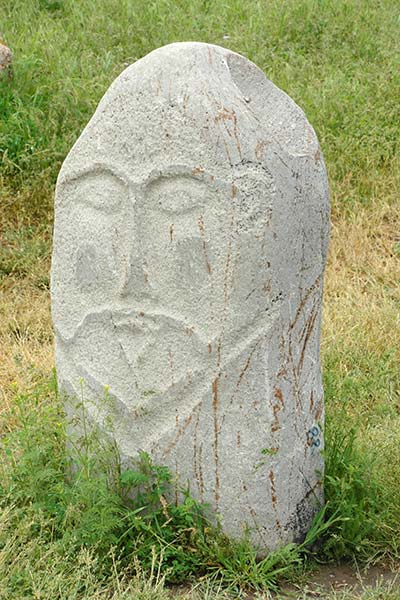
313, 437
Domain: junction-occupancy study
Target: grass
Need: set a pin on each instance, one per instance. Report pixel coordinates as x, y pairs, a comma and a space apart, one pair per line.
121, 522
95, 531
339, 61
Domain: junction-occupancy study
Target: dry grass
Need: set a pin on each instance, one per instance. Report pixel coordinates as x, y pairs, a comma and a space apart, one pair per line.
362, 284
26, 342
26, 339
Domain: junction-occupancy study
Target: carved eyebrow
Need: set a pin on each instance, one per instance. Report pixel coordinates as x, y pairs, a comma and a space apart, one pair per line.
66, 176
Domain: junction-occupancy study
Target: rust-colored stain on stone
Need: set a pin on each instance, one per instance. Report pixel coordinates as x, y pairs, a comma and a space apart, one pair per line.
279, 396
197, 456
240, 379
304, 299
275, 425
276, 407
225, 116
197, 170
260, 148
216, 459
307, 334
320, 409
202, 233
179, 433
271, 477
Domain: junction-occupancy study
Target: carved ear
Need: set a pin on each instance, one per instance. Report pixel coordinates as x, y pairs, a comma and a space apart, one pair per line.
253, 195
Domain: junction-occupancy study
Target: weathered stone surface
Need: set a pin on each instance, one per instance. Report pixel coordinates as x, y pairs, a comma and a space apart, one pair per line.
5, 60
189, 248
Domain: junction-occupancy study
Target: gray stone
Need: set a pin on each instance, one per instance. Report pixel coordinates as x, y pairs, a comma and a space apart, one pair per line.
191, 229
5, 60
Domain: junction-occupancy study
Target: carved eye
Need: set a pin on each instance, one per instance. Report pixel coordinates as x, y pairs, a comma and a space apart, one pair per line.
99, 189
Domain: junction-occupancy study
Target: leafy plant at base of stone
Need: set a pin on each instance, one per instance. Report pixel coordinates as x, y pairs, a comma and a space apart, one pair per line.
123, 525
111, 515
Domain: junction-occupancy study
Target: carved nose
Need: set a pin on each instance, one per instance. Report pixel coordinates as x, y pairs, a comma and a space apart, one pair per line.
125, 276
131, 263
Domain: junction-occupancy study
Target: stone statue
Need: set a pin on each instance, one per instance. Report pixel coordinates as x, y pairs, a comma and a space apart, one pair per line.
190, 240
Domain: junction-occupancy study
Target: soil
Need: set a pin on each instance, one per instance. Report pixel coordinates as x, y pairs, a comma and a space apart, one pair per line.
342, 578
325, 580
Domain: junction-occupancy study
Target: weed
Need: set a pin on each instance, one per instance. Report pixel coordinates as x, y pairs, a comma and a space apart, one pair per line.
103, 514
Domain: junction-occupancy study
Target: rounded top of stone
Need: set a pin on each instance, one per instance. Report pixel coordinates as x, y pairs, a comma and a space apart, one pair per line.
191, 102
180, 50
199, 58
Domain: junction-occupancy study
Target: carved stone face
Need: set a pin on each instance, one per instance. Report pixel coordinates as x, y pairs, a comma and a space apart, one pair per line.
190, 241
155, 264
